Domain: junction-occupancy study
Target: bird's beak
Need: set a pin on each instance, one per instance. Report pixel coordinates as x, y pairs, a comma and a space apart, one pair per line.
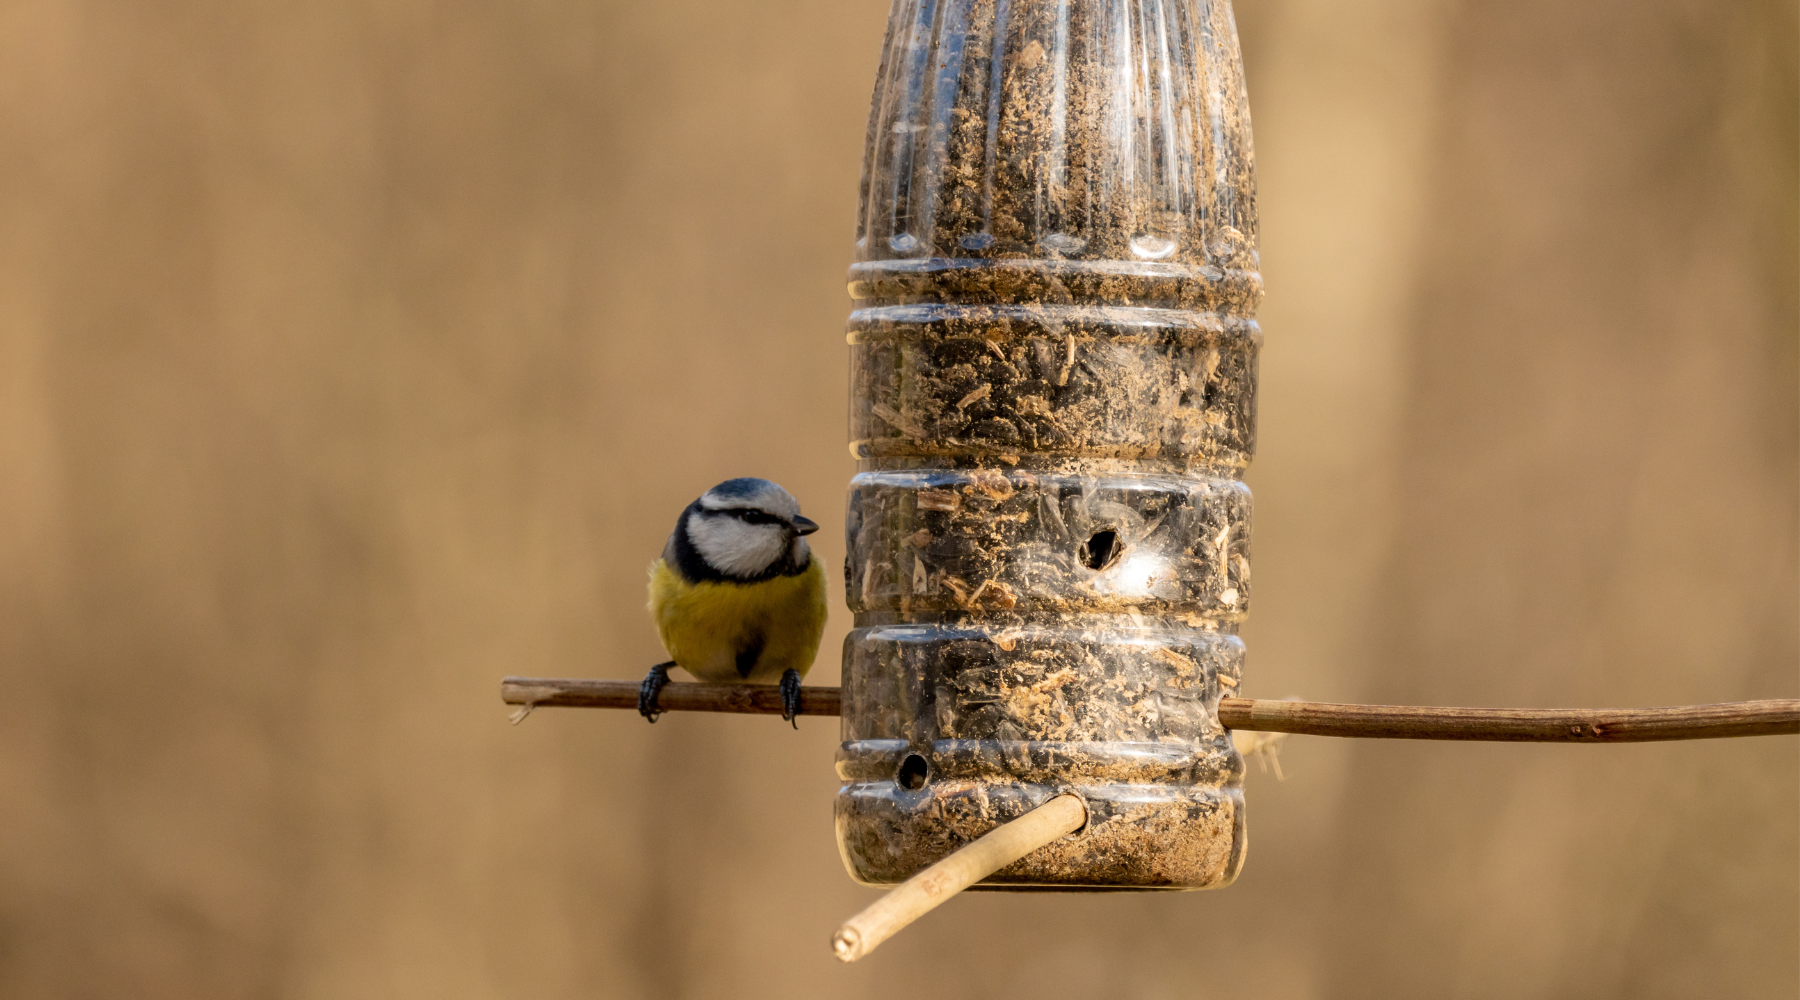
804, 526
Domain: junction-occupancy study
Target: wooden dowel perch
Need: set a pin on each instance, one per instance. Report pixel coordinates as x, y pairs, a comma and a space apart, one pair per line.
922, 893
1771, 717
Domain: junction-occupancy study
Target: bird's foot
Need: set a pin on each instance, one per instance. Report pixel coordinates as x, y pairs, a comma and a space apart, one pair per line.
790, 697
652, 686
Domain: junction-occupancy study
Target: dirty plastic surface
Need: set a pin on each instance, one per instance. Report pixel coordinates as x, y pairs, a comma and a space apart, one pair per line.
1053, 364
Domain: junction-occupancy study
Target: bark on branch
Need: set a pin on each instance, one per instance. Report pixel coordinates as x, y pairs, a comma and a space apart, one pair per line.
1400, 722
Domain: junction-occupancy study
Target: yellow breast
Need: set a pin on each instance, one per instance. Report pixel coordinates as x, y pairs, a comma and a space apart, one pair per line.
728, 632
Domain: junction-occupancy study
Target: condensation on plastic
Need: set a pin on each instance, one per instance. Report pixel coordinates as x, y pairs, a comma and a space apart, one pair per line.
1053, 399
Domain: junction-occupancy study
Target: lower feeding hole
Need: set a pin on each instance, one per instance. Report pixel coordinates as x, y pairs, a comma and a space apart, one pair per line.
913, 772
1100, 551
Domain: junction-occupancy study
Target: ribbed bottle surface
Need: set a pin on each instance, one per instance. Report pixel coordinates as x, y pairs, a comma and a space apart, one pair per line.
1053, 396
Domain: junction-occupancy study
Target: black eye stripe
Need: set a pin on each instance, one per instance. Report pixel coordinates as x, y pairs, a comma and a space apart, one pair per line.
750, 515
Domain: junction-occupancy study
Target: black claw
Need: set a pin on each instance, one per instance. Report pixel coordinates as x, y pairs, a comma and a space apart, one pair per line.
790, 697
652, 686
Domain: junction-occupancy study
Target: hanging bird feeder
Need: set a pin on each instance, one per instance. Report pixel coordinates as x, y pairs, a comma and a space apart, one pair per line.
1053, 371
1053, 363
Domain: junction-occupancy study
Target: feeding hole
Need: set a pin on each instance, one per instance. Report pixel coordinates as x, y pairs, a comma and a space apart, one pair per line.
1101, 551
914, 772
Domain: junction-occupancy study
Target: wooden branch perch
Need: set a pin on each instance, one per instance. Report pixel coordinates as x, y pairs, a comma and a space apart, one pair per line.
1770, 717
676, 696
1515, 725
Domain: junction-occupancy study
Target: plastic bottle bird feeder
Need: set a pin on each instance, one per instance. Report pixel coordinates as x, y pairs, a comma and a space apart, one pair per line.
1053, 370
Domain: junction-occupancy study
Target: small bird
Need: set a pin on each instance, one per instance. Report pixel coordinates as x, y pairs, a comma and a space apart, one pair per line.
738, 595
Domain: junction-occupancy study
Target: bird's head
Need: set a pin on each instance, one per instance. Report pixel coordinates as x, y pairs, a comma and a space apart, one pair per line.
746, 529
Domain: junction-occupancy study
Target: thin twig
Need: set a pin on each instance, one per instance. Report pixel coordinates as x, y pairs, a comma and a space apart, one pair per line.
1515, 725
749, 699
1771, 717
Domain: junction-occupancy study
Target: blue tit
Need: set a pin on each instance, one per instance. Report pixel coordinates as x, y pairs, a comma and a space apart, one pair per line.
738, 595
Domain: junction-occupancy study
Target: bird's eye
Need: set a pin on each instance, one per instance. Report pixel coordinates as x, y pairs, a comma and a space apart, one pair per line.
759, 517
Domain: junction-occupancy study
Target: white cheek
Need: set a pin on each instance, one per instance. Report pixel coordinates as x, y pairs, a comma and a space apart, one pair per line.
798, 553
736, 548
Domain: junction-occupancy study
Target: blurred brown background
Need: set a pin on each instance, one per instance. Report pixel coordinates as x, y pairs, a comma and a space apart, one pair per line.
355, 354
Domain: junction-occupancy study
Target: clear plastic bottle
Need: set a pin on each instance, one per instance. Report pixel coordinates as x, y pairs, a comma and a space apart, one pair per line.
1053, 400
